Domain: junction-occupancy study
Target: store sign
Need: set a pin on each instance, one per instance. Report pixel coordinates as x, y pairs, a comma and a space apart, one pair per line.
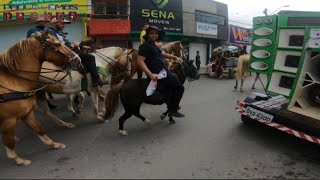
206, 28
22, 10
165, 14
240, 35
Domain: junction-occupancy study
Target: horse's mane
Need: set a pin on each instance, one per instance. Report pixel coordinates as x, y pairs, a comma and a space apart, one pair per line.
10, 58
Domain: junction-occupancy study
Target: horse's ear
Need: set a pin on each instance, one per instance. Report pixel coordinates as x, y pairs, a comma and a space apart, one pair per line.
191, 61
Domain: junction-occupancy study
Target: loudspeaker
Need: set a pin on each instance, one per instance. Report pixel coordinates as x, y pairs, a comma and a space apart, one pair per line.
306, 93
263, 44
281, 83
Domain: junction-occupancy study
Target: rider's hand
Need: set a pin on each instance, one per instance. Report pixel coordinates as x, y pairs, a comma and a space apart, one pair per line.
179, 59
154, 77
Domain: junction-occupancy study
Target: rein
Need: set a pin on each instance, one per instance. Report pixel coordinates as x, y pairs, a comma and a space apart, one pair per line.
23, 94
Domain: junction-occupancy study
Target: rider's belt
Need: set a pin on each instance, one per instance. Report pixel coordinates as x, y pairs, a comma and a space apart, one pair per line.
16, 96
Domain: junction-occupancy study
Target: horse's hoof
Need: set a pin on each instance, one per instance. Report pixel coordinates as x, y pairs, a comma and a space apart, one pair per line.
74, 114
241, 90
253, 88
171, 121
123, 133
68, 125
57, 145
22, 162
79, 111
235, 87
101, 119
163, 116
148, 122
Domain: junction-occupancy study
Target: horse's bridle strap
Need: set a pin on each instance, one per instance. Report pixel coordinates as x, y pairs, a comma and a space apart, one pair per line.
16, 96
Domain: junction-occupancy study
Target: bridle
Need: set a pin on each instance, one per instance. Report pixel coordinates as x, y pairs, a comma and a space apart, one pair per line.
46, 44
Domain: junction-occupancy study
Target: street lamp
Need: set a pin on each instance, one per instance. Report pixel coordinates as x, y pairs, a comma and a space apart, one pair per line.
265, 11
279, 8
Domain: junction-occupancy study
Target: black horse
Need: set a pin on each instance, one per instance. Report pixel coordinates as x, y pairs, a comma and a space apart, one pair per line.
133, 94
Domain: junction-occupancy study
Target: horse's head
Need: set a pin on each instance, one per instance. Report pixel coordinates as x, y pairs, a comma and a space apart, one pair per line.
177, 48
314, 95
185, 70
54, 51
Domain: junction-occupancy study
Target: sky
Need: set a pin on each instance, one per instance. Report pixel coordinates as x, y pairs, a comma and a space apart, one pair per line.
241, 12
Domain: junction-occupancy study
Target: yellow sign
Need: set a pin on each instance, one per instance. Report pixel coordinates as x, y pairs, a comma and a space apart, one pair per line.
21, 10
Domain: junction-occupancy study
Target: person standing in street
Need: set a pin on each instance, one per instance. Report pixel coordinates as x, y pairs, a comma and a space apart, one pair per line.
198, 62
143, 33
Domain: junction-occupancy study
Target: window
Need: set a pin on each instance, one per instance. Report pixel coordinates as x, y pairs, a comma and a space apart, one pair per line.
210, 18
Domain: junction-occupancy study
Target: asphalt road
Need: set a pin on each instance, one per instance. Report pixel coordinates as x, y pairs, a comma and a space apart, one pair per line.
210, 142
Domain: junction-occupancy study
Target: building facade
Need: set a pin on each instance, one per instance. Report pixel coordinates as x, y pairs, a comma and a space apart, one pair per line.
17, 17
201, 25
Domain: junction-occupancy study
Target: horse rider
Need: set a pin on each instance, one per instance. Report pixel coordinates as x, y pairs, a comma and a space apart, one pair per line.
151, 62
41, 24
87, 60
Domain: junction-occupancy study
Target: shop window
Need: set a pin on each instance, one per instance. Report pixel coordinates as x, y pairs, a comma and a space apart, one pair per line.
209, 18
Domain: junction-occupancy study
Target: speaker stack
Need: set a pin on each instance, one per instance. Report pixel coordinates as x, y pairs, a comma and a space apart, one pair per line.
288, 52
263, 44
303, 100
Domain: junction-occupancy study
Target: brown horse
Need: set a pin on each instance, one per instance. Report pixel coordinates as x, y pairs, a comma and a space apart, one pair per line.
19, 81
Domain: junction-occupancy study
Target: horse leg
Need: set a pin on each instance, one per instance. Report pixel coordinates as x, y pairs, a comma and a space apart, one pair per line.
80, 95
164, 115
50, 95
122, 120
70, 105
241, 83
45, 110
95, 103
236, 85
32, 122
255, 81
146, 121
7, 129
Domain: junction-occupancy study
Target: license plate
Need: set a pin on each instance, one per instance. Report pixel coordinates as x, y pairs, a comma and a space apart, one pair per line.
259, 114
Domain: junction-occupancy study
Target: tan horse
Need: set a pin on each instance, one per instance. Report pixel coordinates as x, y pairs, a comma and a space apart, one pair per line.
243, 72
19, 81
175, 48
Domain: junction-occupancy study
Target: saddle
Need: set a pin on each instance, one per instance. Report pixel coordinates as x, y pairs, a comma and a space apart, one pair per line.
157, 98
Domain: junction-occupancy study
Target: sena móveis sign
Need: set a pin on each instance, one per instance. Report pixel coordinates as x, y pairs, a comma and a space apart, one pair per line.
165, 14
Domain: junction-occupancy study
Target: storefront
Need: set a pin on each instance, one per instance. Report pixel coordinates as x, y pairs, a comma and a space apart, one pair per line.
166, 15
18, 17
201, 26
110, 24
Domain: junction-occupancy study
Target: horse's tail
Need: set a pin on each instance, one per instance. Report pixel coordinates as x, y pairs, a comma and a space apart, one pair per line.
112, 100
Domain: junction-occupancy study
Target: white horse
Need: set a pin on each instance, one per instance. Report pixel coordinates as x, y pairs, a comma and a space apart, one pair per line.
73, 85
